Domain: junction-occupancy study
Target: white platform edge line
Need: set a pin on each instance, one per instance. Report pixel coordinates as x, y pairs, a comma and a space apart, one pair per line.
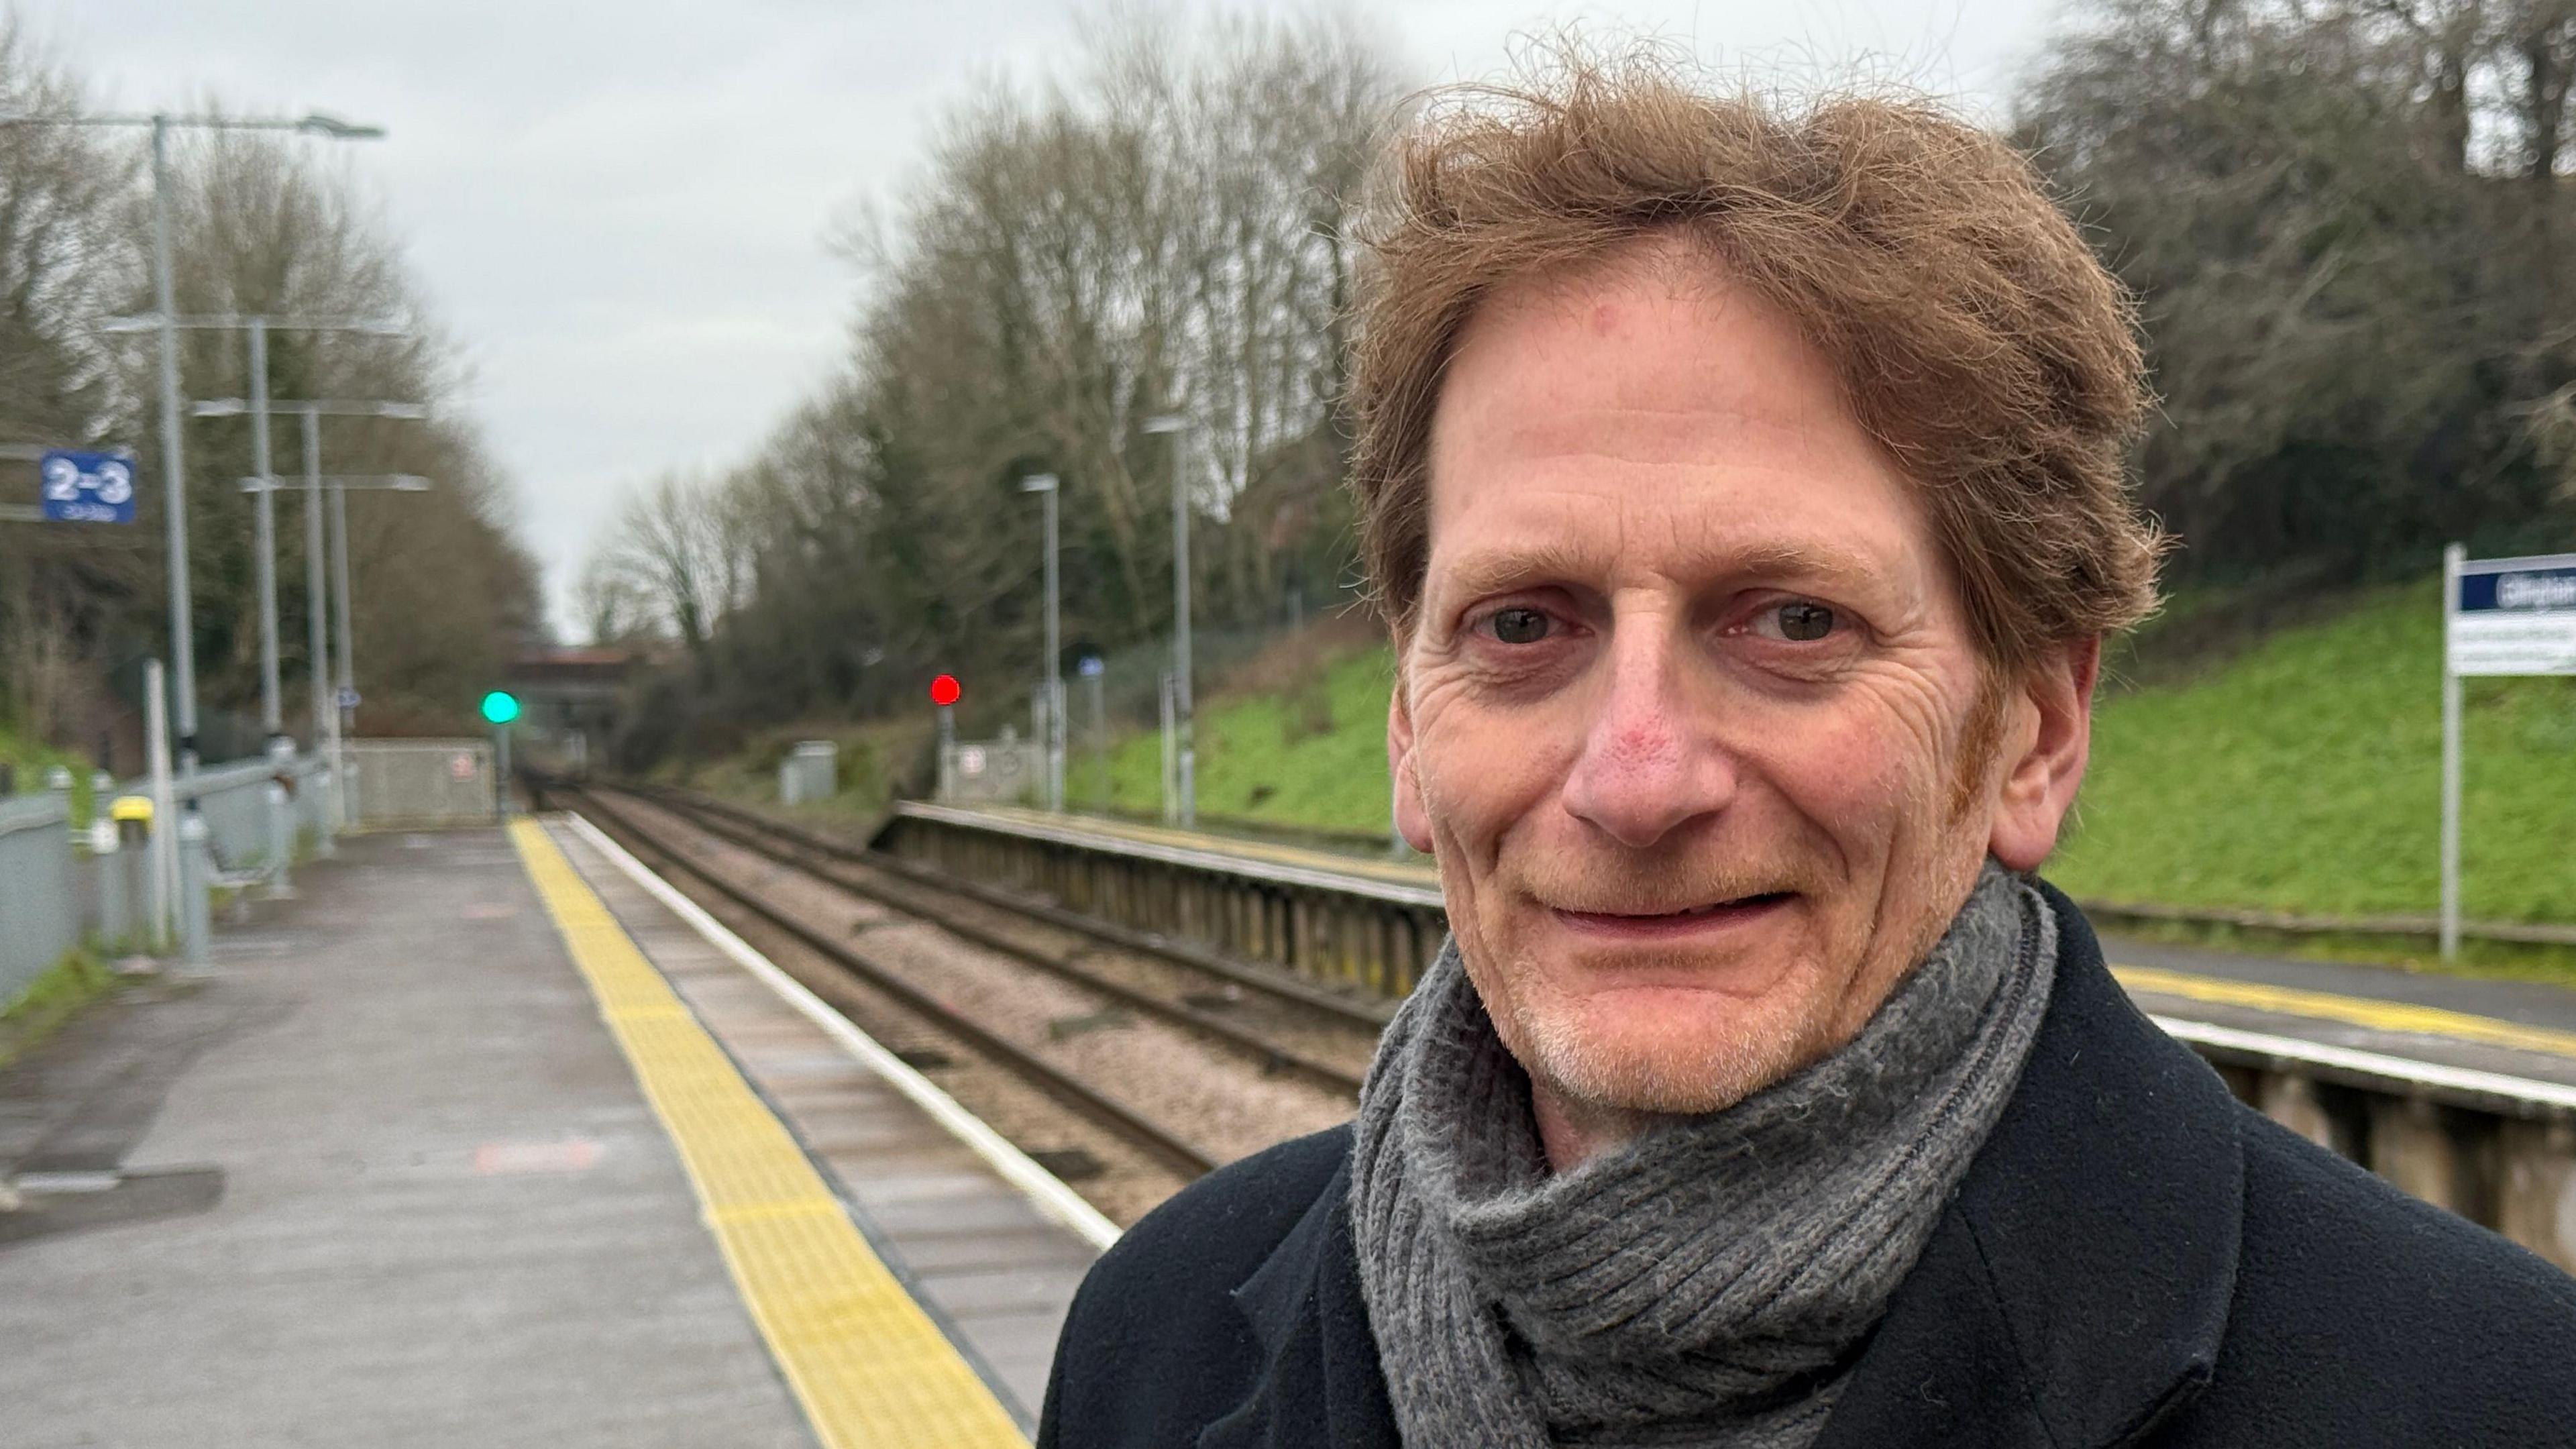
1044, 1188
2431, 1074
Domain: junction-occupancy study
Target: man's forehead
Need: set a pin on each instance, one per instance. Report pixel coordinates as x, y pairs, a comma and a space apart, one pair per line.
1676, 424
1722, 356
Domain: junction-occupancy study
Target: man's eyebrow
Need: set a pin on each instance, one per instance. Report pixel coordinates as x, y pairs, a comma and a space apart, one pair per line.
1555, 561
1499, 570
1803, 560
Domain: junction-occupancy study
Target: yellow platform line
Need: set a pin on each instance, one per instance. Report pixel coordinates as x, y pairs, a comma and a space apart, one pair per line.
2355, 1010
867, 1365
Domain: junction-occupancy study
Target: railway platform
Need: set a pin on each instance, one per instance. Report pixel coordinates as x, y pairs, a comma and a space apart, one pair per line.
490, 1137
2462, 1091
2523, 1028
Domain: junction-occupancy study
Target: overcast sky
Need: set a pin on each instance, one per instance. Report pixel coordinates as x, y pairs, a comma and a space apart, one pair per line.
622, 209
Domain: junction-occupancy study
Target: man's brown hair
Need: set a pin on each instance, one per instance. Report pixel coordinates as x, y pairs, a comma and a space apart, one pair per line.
1976, 336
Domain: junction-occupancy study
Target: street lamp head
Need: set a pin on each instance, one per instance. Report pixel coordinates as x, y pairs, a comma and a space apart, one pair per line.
322, 124
409, 483
1038, 483
222, 407
1166, 423
130, 324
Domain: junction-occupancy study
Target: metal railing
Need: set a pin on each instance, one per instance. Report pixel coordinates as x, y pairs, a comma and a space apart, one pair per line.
40, 911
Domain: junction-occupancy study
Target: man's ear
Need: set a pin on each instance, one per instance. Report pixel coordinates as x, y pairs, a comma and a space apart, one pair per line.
1411, 820
2047, 738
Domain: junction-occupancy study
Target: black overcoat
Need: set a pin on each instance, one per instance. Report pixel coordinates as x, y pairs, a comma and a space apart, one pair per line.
2134, 1258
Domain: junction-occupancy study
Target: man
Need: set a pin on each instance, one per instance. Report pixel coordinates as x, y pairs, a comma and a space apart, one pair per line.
1744, 493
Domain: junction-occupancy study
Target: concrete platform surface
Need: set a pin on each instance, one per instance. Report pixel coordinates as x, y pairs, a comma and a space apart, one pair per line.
387, 1182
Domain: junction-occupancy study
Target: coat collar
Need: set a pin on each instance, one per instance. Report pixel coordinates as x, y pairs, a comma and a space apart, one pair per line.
2077, 1289
1320, 1369
2074, 1293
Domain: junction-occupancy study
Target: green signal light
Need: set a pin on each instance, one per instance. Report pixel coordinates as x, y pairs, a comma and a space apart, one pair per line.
500, 707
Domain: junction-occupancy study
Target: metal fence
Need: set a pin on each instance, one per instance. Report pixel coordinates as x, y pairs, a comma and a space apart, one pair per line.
40, 912
423, 782
233, 801
1007, 771
59, 887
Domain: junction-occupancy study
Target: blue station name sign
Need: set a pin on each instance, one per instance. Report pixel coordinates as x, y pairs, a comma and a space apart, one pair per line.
2515, 616
79, 487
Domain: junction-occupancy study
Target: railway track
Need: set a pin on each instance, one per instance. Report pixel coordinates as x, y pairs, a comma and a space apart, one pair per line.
999, 923
1184, 1157
1367, 1013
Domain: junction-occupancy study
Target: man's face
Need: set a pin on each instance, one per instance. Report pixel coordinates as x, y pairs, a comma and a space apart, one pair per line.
1690, 714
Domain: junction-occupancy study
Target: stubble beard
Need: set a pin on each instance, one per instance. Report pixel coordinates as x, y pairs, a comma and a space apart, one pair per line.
1707, 1061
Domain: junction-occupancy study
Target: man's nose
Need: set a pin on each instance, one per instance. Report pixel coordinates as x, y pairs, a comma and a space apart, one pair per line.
1651, 761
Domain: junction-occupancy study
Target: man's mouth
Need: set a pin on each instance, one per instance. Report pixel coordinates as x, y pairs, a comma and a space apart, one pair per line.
1687, 920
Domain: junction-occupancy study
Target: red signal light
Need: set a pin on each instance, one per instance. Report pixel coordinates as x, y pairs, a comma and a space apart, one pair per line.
944, 690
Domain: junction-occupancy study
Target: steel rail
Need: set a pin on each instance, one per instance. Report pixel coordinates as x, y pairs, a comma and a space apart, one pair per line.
1171, 1148
1243, 1039
1373, 1015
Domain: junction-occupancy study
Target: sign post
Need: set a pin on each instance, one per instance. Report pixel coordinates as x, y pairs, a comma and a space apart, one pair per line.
2501, 617
1091, 667
500, 707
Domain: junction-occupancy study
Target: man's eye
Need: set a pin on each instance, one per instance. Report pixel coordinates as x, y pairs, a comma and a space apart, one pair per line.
1800, 620
1518, 626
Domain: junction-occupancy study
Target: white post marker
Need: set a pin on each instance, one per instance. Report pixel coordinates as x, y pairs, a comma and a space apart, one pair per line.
165, 806
2501, 617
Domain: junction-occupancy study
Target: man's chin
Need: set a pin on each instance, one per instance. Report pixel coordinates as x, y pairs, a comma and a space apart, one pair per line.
1658, 1051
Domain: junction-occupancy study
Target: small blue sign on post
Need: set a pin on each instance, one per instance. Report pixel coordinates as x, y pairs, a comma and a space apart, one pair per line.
86, 487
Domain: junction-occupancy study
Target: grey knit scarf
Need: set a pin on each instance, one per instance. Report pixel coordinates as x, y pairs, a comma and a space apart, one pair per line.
1709, 1283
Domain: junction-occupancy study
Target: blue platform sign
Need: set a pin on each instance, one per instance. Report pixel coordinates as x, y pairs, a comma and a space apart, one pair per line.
87, 487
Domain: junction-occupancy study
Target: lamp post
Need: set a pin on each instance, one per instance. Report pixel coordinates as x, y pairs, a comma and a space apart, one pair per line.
1045, 484
1185, 806
258, 407
264, 488
346, 696
183, 651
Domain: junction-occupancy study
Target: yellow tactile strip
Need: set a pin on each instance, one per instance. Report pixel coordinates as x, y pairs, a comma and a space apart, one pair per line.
2373, 1012
866, 1363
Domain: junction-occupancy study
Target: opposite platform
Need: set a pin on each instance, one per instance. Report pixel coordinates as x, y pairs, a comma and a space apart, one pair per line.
2520, 1029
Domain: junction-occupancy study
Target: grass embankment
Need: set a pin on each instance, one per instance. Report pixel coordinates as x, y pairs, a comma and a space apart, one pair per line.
2304, 775
1300, 742
2300, 773
29, 762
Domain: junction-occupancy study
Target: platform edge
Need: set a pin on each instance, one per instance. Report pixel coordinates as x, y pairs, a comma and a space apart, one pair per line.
1050, 1193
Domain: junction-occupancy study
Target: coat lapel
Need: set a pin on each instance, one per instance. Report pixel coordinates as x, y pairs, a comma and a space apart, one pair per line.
2076, 1289
1320, 1382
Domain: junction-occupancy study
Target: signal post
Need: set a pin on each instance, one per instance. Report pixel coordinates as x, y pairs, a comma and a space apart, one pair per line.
500, 709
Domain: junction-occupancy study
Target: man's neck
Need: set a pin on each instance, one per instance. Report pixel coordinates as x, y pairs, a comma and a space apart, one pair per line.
1573, 1131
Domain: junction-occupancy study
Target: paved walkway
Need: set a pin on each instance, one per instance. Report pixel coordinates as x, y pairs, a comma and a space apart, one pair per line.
389, 1182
